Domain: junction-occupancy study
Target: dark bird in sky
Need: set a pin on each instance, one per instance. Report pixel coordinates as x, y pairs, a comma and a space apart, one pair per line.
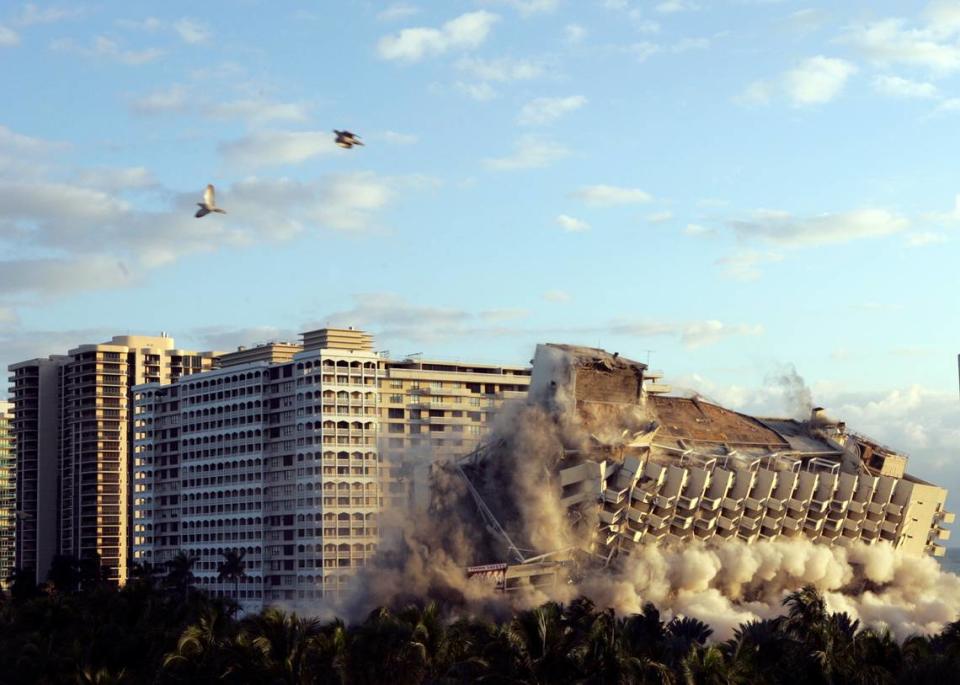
209, 204
346, 139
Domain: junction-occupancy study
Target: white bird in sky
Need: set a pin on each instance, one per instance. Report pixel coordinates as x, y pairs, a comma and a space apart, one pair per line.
209, 203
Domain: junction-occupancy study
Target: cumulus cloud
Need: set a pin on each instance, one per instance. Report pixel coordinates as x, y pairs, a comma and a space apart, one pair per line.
500, 69
397, 10
399, 138
107, 48
660, 217
557, 296
8, 37
258, 111
745, 265
925, 238
784, 229
814, 81
572, 224
897, 87
545, 110
608, 196
393, 318
174, 98
192, 31
530, 153
892, 41
674, 6
466, 32
574, 34
34, 14
528, 7
275, 148
481, 92
817, 80
117, 179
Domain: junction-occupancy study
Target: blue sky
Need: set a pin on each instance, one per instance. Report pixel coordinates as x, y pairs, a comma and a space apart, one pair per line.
735, 186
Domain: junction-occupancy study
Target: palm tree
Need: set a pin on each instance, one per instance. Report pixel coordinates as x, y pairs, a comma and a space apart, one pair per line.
64, 573
286, 644
543, 643
233, 568
180, 574
203, 650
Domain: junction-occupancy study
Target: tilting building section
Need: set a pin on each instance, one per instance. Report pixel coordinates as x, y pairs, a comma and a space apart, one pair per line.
651, 468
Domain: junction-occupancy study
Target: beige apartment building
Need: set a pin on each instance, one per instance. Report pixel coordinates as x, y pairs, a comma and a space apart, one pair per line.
291, 453
72, 426
8, 493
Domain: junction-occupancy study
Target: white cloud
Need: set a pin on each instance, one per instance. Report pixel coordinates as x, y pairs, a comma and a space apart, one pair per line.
574, 34
530, 153
106, 48
925, 238
466, 32
660, 217
745, 265
841, 227
557, 296
8, 37
897, 87
172, 99
117, 179
571, 224
481, 92
688, 44
257, 112
502, 69
273, 148
33, 14
608, 196
756, 93
398, 10
529, 7
643, 50
545, 110
817, 80
698, 230
191, 31
674, 6
692, 334
392, 318
891, 41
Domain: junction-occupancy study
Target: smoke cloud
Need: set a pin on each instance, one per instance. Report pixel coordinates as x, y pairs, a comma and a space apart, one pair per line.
724, 583
797, 398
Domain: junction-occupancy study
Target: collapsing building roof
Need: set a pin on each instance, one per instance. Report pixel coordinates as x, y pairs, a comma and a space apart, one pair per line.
631, 465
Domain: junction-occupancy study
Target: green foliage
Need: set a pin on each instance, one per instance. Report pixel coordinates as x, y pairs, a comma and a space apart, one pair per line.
80, 630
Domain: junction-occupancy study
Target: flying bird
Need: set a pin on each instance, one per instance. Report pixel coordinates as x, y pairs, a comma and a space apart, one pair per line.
209, 203
346, 139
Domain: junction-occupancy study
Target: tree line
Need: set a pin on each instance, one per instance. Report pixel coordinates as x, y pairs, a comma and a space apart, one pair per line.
158, 628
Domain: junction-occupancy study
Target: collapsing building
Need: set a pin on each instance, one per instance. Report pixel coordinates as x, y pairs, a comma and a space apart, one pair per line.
637, 466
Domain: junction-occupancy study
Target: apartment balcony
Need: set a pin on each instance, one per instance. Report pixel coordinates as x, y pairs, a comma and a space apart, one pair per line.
655, 522
732, 504
797, 505
870, 526
749, 524
840, 506
614, 496
851, 525
818, 506
611, 516
710, 503
771, 522
856, 507
875, 508
894, 509
947, 516
687, 502
682, 522
752, 504
638, 513
937, 550
833, 525
726, 523
777, 505
665, 502
813, 525
791, 523
942, 534
705, 524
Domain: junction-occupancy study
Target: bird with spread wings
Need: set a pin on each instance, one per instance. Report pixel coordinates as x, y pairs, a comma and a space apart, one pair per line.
209, 203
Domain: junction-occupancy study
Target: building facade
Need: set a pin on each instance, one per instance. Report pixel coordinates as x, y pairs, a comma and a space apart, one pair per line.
293, 461
72, 426
8, 494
